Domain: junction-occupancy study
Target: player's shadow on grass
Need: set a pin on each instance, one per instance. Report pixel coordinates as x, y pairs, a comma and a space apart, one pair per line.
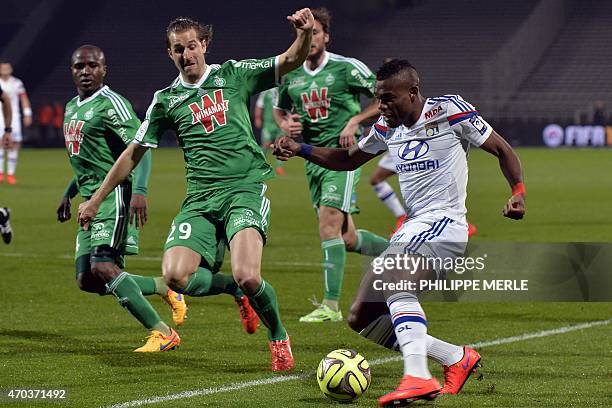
195, 361
322, 401
41, 341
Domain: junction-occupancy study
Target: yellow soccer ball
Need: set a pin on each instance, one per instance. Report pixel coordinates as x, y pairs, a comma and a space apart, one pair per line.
343, 375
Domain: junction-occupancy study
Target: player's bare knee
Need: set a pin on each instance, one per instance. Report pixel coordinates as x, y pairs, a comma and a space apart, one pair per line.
350, 240
88, 284
329, 230
355, 320
175, 276
106, 271
249, 283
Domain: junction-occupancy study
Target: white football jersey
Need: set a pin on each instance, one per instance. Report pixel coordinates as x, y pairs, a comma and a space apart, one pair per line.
13, 87
430, 157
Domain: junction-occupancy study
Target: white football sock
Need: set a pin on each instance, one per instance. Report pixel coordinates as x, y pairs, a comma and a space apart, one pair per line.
442, 352
1, 160
386, 194
381, 331
410, 327
12, 161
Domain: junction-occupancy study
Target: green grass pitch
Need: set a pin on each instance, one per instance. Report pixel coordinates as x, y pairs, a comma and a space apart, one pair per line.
54, 336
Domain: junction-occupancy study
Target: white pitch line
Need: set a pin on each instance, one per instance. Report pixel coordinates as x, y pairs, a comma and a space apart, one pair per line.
379, 361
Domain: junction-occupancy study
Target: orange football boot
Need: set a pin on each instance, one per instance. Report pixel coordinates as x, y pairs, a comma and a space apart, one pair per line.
399, 222
411, 389
248, 317
178, 305
282, 357
471, 230
157, 342
455, 376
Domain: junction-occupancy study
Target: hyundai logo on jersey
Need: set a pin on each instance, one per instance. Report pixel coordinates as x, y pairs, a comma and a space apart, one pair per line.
412, 150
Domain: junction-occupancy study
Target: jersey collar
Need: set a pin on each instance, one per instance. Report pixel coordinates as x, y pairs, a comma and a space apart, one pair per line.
319, 68
200, 81
90, 98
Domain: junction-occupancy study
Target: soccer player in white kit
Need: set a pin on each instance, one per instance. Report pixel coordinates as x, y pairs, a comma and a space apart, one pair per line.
14, 88
386, 194
428, 139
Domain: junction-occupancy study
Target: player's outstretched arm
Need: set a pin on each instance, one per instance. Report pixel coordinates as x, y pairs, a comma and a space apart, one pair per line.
330, 158
129, 159
303, 22
511, 168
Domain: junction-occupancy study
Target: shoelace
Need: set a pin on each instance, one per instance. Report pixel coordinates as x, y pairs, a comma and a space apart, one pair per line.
244, 313
156, 334
314, 301
279, 350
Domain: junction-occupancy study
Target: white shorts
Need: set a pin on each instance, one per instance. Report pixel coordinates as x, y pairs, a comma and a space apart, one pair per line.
386, 162
16, 135
436, 236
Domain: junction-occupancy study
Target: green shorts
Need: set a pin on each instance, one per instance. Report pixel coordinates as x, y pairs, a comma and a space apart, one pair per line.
110, 226
268, 136
208, 220
337, 189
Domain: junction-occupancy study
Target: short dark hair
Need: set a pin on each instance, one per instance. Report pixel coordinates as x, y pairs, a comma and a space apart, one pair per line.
394, 67
323, 16
91, 48
181, 24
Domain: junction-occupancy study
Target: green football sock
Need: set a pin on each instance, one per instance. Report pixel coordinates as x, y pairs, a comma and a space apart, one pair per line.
370, 244
204, 283
160, 286
145, 283
129, 296
334, 257
265, 304
162, 327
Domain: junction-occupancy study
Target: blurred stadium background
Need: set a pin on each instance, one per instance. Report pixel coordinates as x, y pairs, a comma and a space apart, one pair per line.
524, 63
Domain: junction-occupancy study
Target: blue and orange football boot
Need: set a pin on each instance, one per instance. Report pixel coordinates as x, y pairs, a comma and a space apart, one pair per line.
157, 342
178, 305
456, 375
411, 389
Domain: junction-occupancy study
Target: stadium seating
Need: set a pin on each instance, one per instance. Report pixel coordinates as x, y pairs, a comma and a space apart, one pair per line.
575, 70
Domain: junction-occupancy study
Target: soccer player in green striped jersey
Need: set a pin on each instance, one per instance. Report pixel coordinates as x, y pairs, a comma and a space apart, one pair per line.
208, 108
321, 101
98, 123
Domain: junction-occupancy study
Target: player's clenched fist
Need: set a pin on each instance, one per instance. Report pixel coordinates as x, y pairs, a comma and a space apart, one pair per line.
515, 207
302, 19
285, 148
63, 210
291, 125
